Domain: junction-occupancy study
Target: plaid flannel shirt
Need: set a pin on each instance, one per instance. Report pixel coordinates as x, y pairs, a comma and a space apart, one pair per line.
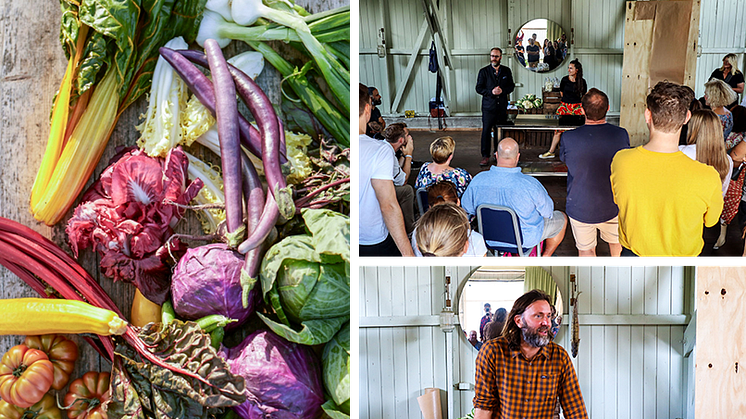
512, 387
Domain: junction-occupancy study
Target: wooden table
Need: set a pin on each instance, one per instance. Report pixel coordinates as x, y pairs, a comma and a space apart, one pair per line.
33, 65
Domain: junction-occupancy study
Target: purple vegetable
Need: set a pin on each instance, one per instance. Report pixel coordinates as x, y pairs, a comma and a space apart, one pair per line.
201, 86
269, 128
207, 281
283, 379
226, 110
254, 205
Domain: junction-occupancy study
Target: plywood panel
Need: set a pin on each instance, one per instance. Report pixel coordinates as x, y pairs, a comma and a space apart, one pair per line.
637, 44
721, 337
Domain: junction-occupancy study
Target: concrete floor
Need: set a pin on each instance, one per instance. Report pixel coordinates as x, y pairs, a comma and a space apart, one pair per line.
467, 156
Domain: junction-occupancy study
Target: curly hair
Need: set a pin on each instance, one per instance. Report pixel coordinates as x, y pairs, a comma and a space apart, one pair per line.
668, 104
512, 332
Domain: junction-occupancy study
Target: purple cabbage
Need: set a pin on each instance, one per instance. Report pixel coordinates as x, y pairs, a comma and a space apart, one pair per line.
283, 379
207, 280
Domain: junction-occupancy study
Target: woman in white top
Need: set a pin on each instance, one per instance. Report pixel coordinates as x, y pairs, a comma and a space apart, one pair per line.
706, 144
446, 192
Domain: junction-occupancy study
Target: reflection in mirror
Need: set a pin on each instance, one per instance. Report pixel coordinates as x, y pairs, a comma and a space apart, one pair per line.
487, 296
540, 45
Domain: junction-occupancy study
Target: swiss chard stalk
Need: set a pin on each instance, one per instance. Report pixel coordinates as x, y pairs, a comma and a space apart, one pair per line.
51, 267
110, 49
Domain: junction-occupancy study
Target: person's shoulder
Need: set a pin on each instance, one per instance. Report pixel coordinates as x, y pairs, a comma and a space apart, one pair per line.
559, 352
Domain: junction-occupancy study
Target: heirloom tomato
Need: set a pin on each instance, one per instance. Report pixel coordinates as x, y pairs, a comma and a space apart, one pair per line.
25, 376
87, 396
45, 409
61, 351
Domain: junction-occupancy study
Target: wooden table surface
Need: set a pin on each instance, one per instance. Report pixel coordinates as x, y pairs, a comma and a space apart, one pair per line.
33, 64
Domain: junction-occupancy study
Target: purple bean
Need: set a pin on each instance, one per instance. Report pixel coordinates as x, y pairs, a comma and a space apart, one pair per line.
201, 86
269, 128
226, 110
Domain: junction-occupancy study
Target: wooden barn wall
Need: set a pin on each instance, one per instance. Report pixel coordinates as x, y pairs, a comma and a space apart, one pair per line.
625, 371
474, 27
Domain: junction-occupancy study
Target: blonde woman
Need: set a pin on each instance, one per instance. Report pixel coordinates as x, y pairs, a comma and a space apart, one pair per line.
443, 231
718, 95
705, 145
440, 169
730, 74
443, 192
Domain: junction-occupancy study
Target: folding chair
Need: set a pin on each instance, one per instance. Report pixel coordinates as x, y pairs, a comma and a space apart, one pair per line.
500, 224
421, 197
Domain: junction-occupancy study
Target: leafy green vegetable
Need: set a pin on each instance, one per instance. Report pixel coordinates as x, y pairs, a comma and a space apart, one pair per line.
140, 389
306, 279
335, 363
333, 411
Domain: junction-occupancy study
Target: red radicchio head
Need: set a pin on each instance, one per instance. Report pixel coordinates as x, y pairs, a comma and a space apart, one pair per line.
128, 217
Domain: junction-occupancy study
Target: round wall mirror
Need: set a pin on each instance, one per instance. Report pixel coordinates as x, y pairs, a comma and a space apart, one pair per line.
540, 45
487, 295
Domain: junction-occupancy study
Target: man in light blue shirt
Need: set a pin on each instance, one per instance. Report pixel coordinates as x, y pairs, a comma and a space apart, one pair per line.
505, 185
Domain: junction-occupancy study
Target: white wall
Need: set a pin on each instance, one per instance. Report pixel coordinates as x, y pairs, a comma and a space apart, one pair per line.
473, 27
630, 362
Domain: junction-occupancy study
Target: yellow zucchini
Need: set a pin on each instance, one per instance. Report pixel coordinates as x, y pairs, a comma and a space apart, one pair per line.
39, 316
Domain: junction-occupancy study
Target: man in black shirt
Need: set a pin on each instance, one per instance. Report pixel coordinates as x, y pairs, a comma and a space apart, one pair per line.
495, 84
375, 114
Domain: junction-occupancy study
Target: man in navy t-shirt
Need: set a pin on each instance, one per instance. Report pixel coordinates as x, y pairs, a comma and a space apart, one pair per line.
587, 151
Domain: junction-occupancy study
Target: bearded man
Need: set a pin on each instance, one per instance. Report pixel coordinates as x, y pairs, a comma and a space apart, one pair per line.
523, 373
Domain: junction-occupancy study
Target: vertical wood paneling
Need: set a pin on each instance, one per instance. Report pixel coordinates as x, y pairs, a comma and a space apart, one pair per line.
625, 372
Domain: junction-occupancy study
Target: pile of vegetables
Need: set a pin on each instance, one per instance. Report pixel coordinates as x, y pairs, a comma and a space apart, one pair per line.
251, 318
528, 102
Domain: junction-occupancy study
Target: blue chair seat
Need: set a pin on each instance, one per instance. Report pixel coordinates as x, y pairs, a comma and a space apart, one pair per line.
500, 224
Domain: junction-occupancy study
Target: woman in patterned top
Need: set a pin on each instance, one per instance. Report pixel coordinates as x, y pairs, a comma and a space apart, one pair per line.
718, 95
440, 169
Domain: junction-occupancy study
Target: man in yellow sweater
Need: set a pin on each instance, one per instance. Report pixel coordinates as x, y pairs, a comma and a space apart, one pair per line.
664, 197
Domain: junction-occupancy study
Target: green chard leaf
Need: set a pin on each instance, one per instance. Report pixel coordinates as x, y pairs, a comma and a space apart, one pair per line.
140, 389
163, 20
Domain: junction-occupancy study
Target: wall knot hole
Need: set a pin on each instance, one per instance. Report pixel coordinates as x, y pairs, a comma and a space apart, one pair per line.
736, 367
707, 292
709, 365
723, 291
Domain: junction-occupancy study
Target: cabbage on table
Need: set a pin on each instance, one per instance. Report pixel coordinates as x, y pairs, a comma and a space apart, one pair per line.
306, 279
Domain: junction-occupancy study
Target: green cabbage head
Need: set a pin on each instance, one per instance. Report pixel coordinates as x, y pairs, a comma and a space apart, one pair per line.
306, 279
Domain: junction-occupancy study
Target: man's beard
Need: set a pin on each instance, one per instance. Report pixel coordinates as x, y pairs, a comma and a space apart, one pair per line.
533, 338
376, 102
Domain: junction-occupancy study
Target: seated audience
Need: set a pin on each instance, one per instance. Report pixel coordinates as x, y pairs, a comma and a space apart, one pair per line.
440, 169
381, 224
587, 151
505, 185
439, 193
443, 231
375, 114
663, 195
717, 96
398, 139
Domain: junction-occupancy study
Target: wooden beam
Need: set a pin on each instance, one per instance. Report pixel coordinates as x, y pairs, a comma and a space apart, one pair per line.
433, 14
721, 343
385, 90
400, 89
690, 336
400, 321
